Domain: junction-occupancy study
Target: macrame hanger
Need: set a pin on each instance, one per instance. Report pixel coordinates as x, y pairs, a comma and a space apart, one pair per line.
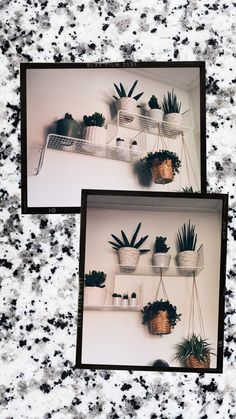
188, 159
191, 324
161, 284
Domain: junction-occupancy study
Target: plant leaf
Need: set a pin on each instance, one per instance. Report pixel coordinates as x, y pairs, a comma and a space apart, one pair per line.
126, 241
118, 90
132, 89
122, 90
138, 96
141, 241
135, 235
118, 240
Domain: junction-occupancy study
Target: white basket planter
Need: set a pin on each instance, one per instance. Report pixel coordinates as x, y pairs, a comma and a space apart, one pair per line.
156, 114
175, 123
187, 259
128, 258
96, 135
161, 260
94, 296
127, 104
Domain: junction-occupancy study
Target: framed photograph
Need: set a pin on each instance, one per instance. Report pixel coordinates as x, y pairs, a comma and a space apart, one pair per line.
121, 126
152, 281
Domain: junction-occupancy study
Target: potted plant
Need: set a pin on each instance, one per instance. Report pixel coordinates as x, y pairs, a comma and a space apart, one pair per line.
163, 164
95, 130
133, 299
67, 126
128, 250
194, 352
94, 288
125, 300
125, 101
155, 109
186, 243
160, 316
116, 299
171, 108
134, 148
160, 363
161, 257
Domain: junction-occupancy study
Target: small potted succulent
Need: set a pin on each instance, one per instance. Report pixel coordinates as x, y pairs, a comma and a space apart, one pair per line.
171, 108
161, 257
134, 148
128, 250
116, 299
95, 130
160, 317
163, 164
133, 301
67, 126
194, 352
125, 300
125, 101
94, 293
155, 109
187, 256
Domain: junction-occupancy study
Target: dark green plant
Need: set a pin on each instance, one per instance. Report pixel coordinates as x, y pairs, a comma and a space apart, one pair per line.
116, 295
152, 309
133, 295
170, 104
120, 139
129, 243
160, 245
188, 189
68, 116
186, 238
195, 346
161, 156
95, 279
122, 93
153, 103
134, 142
95, 120
125, 297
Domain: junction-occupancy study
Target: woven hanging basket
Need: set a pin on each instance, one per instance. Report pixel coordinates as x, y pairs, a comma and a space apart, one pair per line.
193, 362
162, 172
160, 324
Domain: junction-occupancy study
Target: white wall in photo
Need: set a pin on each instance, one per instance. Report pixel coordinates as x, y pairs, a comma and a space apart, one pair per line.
119, 337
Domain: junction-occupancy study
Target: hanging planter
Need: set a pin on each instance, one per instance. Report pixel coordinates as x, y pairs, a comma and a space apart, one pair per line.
163, 164
94, 293
194, 352
155, 111
95, 130
160, 317
125, 102
128, 250
172, 114
161, 257
186, 242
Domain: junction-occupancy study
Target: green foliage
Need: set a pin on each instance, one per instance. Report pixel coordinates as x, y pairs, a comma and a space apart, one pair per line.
170, 104
160, 245
186, 238
153, 103
114, 295
122, 93
195, 346
152, 309
133, 295
125, 297
161, 156
68, 116
124, 242
95, 279
95, 120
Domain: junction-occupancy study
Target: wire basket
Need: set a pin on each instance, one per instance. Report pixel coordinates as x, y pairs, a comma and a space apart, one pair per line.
193, 362
162, 172
160, 324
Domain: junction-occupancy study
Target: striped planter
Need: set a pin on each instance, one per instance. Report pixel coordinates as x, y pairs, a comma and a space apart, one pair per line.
128, 258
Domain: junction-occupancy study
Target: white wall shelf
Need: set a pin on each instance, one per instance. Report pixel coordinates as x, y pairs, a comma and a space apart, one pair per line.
113, 308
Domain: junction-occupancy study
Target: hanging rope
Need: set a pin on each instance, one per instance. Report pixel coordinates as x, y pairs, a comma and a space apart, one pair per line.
186, 161
191, 324
190, 162
161, 284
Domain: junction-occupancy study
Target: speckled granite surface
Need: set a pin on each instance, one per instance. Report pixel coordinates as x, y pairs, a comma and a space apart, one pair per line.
39, 253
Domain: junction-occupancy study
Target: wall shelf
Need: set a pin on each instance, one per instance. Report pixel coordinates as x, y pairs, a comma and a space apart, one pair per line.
113, 308
173, 271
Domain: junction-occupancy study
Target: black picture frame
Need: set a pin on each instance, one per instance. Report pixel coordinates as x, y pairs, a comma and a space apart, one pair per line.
221, 309
26, 209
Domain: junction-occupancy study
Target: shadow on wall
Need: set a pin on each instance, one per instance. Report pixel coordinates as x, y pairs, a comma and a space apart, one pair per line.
144, 176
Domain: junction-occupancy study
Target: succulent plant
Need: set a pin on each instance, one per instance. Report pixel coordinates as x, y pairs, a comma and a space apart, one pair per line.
153, 103
152, 309
170, 104
95, 279
125, 297
122, 93
186, 238
161, 156
133, 295
129, 243
95, 120
68, 116
160, 245
195, 346
115, 295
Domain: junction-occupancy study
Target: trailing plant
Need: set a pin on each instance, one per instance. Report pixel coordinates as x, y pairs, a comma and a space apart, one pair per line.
152, 309
124, 242
170, 103
195, 346
95, 120
95, 279
160, 245
162, 156
133, 295
187, 238
153, 103
122, 93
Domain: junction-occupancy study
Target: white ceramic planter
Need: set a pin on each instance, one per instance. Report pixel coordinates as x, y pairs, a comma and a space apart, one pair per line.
175, 119
162, 260
133, 302
122, 152
96, 135
125, 302
188, 260
116, 301
127, 104
94, 296
156, 114
134, 150
128, 258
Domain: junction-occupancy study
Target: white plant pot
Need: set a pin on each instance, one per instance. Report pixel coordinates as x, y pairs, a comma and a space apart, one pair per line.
96, 135
128, 258
133, 302
162, 260
122, 151
116, 301
156, 114
125, 302
94, 296
174, 124
127, 104
134, 150
187, 259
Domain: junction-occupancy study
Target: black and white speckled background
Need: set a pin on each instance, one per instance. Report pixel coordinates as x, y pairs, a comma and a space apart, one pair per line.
39, 254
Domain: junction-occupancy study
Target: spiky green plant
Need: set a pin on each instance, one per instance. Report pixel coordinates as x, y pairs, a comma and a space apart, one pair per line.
161, 156
122, 93
160, 245
153, 103
124, 242
95, 120
188, 189
152, 309
170, 103
187, 238
194, 345
95, 279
